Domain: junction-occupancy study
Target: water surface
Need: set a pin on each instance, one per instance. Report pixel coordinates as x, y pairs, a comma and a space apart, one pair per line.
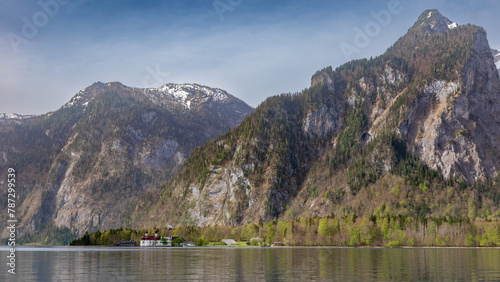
250, 264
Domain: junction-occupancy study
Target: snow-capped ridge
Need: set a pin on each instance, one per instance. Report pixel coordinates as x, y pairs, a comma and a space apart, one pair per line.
83, 97
183, 90
187, 93
75, 99
15, 116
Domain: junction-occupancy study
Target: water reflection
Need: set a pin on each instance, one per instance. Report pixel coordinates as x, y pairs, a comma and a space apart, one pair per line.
252, 264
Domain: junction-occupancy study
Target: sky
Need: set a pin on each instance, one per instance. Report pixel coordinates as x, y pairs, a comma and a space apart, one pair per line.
51, 49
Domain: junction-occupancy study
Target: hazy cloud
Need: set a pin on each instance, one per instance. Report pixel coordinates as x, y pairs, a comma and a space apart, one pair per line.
258, 50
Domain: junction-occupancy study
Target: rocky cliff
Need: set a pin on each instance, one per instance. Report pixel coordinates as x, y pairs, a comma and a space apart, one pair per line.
453, 124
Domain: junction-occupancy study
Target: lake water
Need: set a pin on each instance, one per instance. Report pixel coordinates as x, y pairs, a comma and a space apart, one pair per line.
250, 264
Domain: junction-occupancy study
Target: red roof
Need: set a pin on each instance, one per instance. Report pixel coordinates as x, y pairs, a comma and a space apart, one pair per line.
150, 238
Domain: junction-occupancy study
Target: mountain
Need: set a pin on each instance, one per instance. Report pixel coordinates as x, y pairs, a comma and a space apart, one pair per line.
412, 132
82, 167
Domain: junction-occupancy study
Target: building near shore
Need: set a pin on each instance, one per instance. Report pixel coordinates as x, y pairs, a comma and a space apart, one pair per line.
155, 241
126, 243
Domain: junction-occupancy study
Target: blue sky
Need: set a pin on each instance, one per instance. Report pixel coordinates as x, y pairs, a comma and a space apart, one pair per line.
252, 49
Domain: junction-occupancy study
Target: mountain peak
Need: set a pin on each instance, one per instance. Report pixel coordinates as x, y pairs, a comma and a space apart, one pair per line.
432, 21
83, 97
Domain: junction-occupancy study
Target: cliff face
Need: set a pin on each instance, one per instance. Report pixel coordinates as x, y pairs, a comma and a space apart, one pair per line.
80, 168
428, 106
458, 134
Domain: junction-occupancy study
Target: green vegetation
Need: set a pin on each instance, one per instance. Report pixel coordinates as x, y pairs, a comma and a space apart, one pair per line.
47, 236
350, 230
177, 241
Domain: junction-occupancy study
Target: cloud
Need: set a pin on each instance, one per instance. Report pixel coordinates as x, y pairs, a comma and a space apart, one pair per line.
258, 50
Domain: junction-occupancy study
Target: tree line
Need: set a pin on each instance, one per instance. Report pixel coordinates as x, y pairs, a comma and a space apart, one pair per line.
350, 230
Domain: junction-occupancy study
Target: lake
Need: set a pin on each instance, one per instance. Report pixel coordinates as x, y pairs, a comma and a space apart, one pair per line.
250, 264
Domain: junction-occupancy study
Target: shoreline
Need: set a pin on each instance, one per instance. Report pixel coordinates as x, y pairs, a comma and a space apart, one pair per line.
21, 247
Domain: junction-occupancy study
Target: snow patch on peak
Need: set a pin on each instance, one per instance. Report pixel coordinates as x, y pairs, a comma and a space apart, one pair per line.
186, 94
498, 64
452, 25
430, 14
83, 97
175, 90
15, 116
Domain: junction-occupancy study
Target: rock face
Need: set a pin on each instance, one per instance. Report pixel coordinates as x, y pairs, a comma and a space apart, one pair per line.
324, 76
459, 136
436, 90
82, 166
322, 121
225, 188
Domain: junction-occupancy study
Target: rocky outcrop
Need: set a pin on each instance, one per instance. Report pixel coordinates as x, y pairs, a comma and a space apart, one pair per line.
453, 126
323, 76
478, 106
216, 202
322, 121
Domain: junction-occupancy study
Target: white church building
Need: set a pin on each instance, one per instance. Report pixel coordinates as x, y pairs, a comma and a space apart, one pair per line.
155, 241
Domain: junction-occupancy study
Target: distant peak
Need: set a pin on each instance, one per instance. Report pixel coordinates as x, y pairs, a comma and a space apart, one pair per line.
432, 21
83, 97
97, 83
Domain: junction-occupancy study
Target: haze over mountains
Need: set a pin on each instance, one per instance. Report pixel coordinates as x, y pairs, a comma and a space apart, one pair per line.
410, 132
